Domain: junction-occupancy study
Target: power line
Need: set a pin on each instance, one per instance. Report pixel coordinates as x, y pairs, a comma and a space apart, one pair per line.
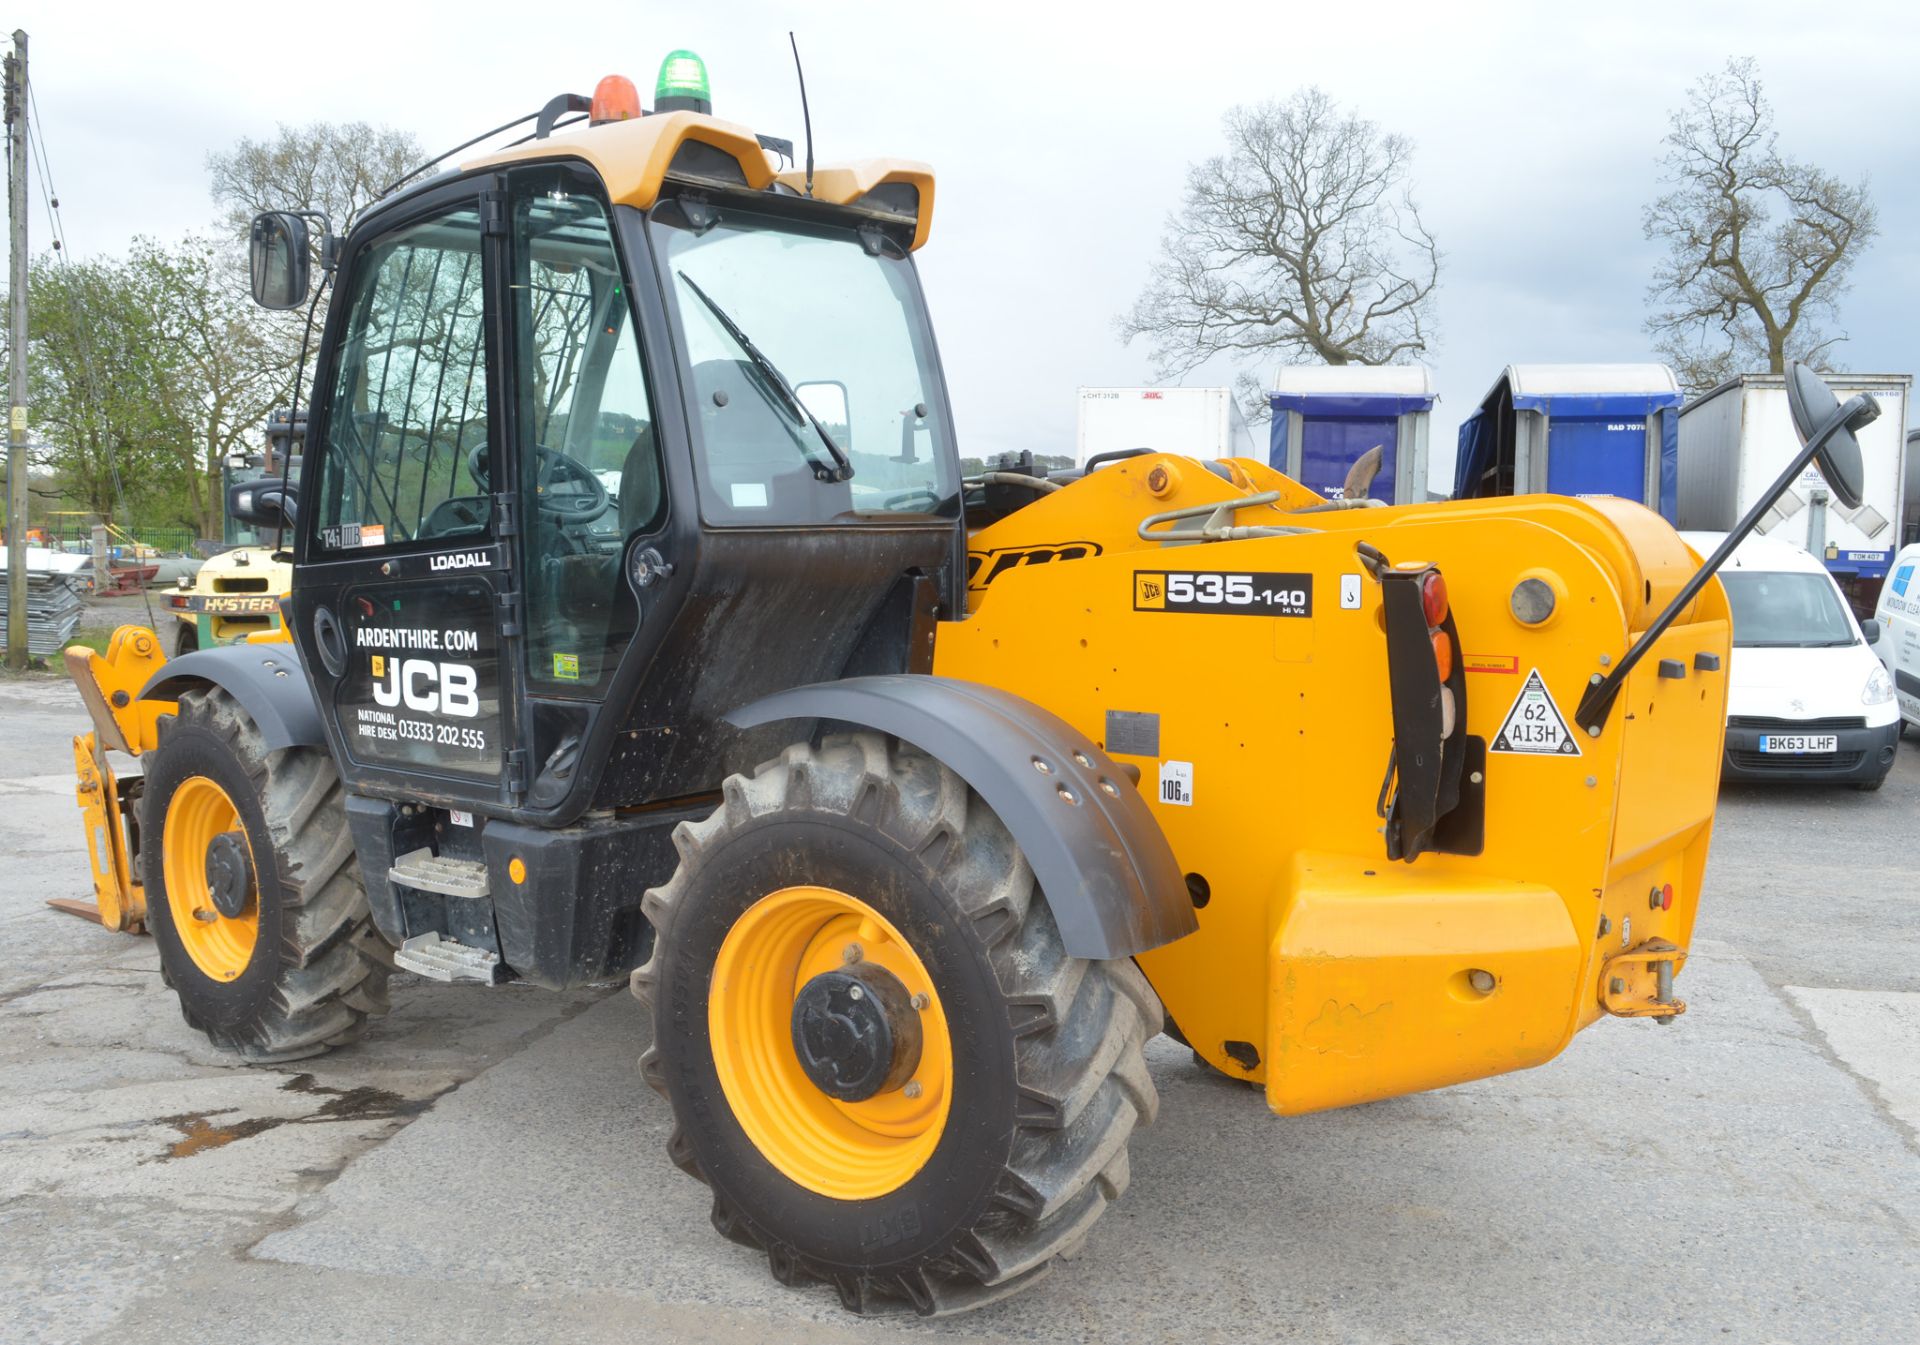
83, 337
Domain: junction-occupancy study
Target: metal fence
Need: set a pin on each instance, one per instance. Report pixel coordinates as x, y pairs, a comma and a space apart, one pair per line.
167, 541
129, 541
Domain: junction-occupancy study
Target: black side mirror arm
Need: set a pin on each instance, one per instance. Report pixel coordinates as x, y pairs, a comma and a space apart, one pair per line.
1598, 701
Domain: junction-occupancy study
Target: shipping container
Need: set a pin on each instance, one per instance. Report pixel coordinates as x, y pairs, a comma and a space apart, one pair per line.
1326, 415
1197, 422
1574, 429
1735, 439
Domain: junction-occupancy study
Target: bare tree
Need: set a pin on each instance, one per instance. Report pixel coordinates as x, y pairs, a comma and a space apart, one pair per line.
1759, 246
334, 167
337, 168
1302, 242
223, 369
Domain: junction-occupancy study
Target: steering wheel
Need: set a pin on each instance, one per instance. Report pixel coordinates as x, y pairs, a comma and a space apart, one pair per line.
583, 505
455, 514
932, 497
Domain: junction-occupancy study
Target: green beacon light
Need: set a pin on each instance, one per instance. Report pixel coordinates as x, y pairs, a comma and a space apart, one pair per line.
682, 86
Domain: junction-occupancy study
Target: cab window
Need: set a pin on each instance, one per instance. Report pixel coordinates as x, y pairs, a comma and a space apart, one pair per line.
405, 452
802, 339
590, 468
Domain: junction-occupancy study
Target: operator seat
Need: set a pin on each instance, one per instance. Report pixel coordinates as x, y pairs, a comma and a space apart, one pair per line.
639, 483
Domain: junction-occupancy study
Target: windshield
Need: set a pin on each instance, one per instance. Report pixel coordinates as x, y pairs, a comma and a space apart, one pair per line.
1780, 610
770, 305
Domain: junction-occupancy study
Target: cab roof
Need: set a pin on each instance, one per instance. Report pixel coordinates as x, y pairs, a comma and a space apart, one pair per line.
636, 157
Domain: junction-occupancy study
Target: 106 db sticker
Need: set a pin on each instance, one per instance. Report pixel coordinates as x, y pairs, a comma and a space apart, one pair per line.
1225, 592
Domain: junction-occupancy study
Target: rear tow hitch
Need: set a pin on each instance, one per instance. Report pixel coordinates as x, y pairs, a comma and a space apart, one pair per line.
1639, 982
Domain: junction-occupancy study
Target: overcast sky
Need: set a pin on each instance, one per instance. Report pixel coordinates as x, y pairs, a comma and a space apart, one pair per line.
1059, 136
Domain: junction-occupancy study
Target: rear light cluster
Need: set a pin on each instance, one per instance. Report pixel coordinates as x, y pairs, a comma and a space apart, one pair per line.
1433, 597
1434, 605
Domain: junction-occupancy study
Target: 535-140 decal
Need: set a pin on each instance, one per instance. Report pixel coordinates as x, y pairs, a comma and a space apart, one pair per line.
1227, 592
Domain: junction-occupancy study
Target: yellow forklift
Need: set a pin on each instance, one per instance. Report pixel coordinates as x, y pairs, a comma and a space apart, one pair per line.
235, 594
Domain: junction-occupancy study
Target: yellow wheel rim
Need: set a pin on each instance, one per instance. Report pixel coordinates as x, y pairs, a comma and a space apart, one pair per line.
197, 815
844, 1150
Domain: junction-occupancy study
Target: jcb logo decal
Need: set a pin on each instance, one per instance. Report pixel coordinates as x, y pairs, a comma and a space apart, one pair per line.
983, 567
426, 686
1149, 592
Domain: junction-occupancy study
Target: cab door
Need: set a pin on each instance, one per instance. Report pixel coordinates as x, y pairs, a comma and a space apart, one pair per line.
404, 605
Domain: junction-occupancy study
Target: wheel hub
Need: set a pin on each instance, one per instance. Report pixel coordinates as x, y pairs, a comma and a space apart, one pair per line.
213, 897
847, 1097
856, 1032
229, 875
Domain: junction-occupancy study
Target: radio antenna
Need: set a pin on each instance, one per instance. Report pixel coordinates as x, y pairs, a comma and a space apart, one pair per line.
806, 117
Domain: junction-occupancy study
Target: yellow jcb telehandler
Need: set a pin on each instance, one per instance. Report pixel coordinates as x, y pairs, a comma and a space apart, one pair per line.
643, 624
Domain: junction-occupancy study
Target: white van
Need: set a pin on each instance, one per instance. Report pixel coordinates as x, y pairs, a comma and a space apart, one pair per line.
1898, 642
1807, 700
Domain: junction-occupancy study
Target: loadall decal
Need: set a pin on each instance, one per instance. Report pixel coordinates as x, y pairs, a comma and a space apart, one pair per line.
983, 567
1223, 592
422, 686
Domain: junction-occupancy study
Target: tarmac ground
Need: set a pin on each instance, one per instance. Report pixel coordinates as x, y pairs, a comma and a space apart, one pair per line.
488, 1162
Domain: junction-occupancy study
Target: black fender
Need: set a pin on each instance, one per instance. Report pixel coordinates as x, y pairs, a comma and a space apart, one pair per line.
266, 679
1102, 861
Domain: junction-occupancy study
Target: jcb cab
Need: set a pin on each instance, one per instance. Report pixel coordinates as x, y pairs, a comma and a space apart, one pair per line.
642, 623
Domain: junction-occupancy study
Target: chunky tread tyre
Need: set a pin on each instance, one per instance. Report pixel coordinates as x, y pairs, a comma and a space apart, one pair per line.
184, 638
316, 974
1075, 1029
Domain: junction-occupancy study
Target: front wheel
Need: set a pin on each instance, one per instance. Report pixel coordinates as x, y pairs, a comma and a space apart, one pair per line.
253, 895
879, 1055
185, 639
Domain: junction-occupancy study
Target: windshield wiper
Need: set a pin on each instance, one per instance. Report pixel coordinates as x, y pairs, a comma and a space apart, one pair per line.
842, 469
1791, 644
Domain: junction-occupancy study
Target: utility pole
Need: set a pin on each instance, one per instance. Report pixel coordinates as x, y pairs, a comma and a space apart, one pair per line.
16, 75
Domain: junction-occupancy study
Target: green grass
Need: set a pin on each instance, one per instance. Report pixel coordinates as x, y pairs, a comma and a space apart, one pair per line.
93, 637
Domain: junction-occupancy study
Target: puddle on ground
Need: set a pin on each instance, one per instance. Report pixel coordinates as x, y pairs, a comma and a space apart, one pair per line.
200, 1131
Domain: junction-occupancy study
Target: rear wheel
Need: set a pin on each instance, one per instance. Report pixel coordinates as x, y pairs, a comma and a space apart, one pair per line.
879, 1055
252, 892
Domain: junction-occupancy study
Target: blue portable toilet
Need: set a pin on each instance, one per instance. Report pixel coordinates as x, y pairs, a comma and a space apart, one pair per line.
1575, 429
1326, 415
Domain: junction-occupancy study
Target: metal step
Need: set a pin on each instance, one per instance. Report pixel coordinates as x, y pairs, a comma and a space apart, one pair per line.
441, 959
424, 871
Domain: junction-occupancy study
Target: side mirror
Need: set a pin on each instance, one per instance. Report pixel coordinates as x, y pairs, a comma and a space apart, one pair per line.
1813, 404
263, 504
828, 402
1870, 630
279, 259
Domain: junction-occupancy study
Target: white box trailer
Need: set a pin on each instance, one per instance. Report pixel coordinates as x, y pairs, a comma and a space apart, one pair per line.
1735, 439
1199, 422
